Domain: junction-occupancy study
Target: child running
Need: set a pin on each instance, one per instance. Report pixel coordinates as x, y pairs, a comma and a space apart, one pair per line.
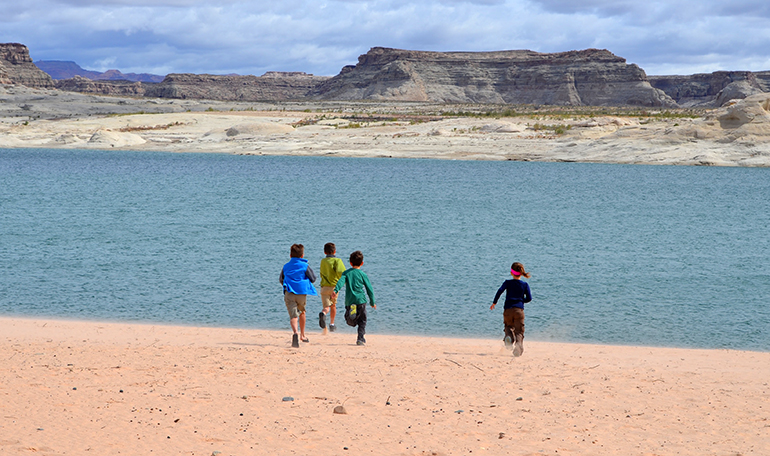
357, 286
296, 278
331, 270
517, 293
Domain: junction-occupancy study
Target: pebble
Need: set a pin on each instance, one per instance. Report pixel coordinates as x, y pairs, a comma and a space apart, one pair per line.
288, 399
340, 410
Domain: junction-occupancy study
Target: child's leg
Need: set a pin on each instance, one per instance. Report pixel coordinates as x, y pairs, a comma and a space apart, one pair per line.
508, 321
301, 300
518, 331
333, 309
361, 323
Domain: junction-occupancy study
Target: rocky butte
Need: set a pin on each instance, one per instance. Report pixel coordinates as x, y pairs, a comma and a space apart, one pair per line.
589, 77
16, 67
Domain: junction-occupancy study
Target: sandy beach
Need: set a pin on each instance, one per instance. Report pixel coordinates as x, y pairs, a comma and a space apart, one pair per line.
71, 387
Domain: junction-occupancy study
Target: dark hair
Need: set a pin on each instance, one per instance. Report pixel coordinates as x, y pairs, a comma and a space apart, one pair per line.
356, 258
330, 248
297, 251
518, 267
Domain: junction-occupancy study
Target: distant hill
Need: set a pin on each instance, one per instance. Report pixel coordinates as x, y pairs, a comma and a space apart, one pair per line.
60, 69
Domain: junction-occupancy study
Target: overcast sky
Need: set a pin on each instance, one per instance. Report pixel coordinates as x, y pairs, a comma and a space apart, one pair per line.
320, 37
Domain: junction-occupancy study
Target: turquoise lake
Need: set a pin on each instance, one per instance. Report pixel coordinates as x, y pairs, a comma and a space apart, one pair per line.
619, 254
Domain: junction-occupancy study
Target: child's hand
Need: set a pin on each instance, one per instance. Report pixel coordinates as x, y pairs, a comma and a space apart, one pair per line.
374, 306
492, 307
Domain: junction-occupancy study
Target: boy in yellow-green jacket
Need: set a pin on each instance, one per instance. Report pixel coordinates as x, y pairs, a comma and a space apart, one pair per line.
331, 270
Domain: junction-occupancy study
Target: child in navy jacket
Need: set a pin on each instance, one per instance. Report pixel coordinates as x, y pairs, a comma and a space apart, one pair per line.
517, 293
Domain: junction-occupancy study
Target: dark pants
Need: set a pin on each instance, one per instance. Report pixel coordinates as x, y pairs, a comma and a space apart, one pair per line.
360, 320
514, 324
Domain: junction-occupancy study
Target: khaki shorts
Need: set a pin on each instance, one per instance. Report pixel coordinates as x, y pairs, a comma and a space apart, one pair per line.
295, 304
327, 300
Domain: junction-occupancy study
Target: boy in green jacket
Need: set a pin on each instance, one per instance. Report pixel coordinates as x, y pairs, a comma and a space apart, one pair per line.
357, 287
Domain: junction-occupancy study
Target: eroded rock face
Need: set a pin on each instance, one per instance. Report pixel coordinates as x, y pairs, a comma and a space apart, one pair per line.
16, 67
712, 89
272, 86
115, 88
590, 77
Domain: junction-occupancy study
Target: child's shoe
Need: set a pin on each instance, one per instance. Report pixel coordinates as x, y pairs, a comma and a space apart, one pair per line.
508, 342
322, 320
295, 341
518, 347
332, 328
360, 342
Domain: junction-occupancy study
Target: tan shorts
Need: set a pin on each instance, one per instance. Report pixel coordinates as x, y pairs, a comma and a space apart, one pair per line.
327, 300
295, 304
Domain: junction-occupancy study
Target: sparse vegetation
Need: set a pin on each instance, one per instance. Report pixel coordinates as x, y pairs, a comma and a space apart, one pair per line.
148, 127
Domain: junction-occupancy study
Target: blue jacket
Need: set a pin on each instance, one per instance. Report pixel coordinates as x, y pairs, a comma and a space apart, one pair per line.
517, 293
296, 277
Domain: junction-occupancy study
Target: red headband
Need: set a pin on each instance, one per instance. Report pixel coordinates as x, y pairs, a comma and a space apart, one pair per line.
515, 272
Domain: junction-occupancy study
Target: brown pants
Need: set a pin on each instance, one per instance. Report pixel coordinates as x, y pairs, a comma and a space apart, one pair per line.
514, 324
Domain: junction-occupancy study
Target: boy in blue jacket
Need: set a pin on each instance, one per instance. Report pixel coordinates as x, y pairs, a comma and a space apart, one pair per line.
296, 278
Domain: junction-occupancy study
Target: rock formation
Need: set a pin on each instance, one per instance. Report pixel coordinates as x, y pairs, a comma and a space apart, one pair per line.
16, 67
106, 87
590, 77
272, 86
712, 89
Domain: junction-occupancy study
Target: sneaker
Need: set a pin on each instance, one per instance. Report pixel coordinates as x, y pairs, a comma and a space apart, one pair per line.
360, 342
518, 348
295, 341
332, 328
322, 320
508, 342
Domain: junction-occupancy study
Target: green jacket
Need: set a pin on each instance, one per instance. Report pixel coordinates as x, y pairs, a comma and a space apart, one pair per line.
357, 286
331, 270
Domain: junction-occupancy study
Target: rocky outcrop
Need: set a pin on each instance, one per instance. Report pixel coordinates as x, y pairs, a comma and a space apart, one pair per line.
712, 89
16, 67
114, 88
272, 86
746, 117
590, 77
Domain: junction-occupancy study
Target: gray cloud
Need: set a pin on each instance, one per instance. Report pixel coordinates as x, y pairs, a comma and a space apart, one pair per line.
251, 37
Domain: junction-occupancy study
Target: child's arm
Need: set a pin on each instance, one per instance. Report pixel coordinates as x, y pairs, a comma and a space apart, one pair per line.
369, 291
497, 296
340, 284
310, 274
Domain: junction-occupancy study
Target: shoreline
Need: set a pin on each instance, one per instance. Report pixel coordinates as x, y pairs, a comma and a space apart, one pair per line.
312, 329
61, 120
74, 386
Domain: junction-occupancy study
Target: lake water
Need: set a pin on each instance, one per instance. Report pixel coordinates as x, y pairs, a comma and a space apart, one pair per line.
641, 255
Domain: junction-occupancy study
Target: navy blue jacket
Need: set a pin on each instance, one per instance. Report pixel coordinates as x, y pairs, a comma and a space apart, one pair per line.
517, 293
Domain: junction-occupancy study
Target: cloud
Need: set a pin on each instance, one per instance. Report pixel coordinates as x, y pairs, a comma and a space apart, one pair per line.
251, 37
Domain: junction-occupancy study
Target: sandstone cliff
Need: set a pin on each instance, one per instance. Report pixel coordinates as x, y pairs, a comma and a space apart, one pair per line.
590, 77
273, 86
16, 67
105, 87
712, 89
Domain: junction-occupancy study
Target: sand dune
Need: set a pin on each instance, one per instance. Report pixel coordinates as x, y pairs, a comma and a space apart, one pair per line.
101, 388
